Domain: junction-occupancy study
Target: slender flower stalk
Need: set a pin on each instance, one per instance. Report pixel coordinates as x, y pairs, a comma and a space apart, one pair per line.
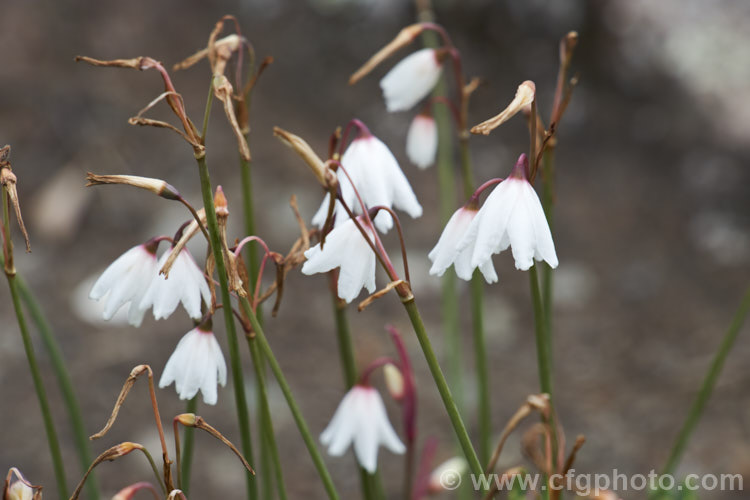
186, 457
709, 382
265, 417
243, 415
370, 483
62, 375
446, 187
291, 402
49, 425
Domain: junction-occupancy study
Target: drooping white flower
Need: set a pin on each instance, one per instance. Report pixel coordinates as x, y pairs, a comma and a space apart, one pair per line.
196, 364
126, 280
379, 181
447, 251
511, 216
447, 475
422, 141
347, 249
361, 419
411, 79
185, 284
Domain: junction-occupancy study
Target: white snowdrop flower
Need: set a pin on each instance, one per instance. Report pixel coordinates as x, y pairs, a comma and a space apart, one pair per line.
379, 180
18, 488
185, 284
347, 249
411, 79
447, 252
126, 280
196, 364
422, 141
361, 419
511, 216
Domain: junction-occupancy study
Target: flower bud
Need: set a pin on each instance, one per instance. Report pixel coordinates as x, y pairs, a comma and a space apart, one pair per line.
156, 186
302, 148
394, 379
404, 38
524, 97
220, 203
187, 419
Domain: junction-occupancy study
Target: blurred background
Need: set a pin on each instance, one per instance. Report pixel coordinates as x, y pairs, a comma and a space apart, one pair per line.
652, 225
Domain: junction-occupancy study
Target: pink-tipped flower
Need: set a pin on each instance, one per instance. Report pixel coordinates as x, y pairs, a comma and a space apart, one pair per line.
379, 181
411, 79
447, 251
347, 249
196, 364
185, 284
361, 419
511, 216
125, 281
422, 141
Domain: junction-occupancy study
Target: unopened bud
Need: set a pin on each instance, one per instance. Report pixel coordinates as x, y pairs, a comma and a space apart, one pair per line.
394, 380
539, 402
156, 186
404, 38
322, 173
567, 46
523, 98
447, 476
220, 203
187, 419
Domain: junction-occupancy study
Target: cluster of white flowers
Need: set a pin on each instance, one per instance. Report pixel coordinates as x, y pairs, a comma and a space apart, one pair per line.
133, 278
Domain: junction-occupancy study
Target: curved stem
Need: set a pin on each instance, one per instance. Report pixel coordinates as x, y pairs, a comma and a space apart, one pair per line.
243, 416
49, 425
442, 385
708, 384
62, 374
265, 415
291, 402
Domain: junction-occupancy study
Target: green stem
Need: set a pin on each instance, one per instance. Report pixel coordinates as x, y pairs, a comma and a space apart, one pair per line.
544, 358
483, 375
186, 457
62, 374
548, 204
49, 424
442, 385
372, 485
477, 314
542, 348
709, 382
291, 402
243, 417
265, 417
446, 188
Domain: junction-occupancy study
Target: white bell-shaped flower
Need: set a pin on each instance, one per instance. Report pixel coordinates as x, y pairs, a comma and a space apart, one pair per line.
379, 181
409, 81
186, 284
347, 249
196, 364
512, 216
447, 252
361, 419
422, 141
125, 281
